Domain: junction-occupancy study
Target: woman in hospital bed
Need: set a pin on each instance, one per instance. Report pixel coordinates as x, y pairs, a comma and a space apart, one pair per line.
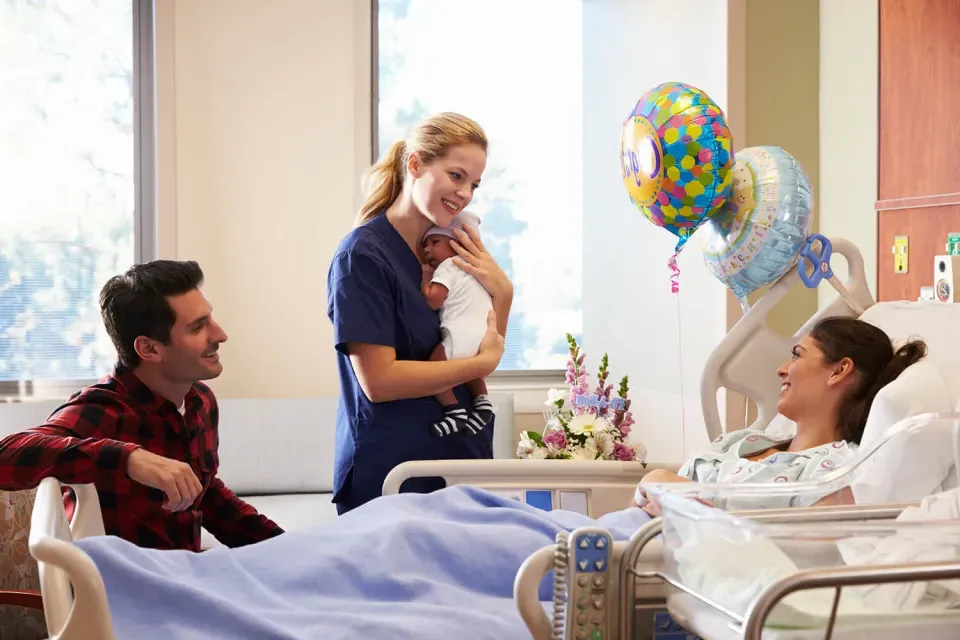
439, 565
827, 388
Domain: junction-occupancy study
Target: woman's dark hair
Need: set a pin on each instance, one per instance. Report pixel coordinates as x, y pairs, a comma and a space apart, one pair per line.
874, 359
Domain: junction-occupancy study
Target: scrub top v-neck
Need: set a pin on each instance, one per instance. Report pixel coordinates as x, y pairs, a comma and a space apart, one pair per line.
374, 297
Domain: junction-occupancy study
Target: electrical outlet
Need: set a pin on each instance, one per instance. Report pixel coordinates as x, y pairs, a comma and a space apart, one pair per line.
901, 251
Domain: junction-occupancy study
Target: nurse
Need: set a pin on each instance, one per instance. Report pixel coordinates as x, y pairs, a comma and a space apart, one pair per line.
384, 330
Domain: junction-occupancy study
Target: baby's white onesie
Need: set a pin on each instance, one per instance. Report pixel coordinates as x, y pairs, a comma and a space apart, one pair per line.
463, 316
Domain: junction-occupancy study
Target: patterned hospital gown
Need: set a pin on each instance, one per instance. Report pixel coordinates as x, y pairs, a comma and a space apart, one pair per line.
725, 462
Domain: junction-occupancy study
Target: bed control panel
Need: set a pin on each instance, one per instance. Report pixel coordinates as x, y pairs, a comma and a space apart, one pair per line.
548, 500
587, 601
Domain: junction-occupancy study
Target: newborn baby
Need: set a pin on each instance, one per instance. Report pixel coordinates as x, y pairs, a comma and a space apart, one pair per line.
464, 305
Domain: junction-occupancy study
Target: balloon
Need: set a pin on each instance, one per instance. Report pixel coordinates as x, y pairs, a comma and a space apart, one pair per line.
676, 158
758, 237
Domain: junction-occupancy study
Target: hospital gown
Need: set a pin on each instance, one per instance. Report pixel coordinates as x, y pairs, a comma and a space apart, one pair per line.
726, 462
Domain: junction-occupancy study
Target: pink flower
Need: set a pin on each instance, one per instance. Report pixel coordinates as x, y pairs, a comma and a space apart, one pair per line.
556, 438
622, 452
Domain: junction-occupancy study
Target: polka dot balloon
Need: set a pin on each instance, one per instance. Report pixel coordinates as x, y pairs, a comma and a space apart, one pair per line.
676, 157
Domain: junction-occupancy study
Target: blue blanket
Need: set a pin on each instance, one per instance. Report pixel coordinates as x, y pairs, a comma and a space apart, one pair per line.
431, 567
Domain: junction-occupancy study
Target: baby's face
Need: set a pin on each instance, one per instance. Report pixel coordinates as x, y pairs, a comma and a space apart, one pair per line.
436, 249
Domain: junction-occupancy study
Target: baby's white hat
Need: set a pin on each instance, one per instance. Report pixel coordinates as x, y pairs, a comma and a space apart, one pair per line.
464, 217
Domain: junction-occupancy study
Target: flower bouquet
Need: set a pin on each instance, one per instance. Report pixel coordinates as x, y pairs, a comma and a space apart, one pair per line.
581, 425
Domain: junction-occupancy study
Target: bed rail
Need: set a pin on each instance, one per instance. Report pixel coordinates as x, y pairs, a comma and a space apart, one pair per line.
607, 485
74, 596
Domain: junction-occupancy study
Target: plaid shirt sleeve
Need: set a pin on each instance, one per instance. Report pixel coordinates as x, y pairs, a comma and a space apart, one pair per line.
75, 445
232, 521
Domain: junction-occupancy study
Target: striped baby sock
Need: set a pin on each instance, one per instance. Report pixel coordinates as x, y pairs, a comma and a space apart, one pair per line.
454, 420
481, 415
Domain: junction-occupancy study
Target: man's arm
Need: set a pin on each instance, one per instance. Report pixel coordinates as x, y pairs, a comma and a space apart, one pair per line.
76, 446
232, 521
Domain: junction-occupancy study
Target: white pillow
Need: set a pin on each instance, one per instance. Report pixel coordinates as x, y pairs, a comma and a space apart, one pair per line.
921, 388
910, 467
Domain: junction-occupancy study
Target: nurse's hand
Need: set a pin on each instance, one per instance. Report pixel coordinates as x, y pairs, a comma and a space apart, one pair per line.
491, 347
477, 261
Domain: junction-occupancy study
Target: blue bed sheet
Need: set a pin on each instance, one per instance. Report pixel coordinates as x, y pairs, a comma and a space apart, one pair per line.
432, 567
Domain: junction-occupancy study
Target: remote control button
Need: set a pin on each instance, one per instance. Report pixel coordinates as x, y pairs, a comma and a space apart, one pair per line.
582, 635
581, 619
598, 603
583, 581
584, 542
598, 581
599, 564
582, 603
583, 564
601, 543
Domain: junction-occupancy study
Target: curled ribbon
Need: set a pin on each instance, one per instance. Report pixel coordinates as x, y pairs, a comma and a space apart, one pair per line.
674, 274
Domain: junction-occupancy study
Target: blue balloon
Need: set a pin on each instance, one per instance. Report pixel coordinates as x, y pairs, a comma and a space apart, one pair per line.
765, 221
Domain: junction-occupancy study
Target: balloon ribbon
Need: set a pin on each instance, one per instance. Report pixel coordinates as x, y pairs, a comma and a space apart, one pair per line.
674, 274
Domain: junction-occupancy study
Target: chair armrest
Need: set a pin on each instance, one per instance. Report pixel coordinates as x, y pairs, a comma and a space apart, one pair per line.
22, 598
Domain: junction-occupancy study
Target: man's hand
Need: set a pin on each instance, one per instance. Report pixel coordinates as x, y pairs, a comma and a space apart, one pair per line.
176, 479
491, 347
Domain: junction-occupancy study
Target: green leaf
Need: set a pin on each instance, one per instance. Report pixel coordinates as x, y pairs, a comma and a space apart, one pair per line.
536, 437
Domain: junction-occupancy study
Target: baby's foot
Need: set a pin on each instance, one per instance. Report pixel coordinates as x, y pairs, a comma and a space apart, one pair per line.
454, 420
481, 415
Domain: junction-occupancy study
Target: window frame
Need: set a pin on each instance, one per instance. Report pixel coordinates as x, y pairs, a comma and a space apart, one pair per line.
513, 380
145, 188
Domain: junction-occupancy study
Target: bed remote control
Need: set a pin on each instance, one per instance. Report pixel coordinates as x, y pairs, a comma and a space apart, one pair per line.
588, 617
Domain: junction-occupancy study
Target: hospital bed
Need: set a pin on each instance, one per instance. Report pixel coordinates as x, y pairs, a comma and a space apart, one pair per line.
74, 599
648, 573
691, 563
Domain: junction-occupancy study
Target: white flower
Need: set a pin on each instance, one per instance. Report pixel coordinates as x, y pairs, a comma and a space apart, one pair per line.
538, 454
640, 449
554, 396
586, 452
587, 423
604, 442
526, 446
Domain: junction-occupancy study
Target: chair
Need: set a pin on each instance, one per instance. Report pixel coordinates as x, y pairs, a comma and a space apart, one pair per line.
21, 607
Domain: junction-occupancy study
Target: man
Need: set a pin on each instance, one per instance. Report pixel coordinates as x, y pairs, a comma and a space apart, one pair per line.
146, 435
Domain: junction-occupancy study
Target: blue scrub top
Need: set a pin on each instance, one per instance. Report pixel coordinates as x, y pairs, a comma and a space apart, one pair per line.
373, 296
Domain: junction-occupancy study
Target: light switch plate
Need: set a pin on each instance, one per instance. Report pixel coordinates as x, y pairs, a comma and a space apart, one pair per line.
901, 252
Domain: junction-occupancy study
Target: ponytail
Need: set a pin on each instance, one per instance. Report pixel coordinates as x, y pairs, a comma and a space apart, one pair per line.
857, 409
430, 139
383, 182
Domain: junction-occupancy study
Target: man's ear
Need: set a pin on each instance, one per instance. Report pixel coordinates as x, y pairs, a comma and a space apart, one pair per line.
841, 372
147, 348
414, 165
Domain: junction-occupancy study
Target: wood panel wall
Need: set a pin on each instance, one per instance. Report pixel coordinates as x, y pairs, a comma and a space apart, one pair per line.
919, 138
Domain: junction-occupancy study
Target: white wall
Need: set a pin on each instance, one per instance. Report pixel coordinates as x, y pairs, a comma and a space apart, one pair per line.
264, 128
631, 46
848, 129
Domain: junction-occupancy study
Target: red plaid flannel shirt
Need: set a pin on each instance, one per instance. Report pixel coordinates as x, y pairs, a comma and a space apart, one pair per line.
88, 440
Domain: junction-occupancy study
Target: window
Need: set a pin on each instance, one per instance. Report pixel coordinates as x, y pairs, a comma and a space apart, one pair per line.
76, 181
514, 67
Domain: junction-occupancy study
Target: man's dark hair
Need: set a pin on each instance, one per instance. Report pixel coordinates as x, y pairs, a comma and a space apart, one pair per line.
135, 304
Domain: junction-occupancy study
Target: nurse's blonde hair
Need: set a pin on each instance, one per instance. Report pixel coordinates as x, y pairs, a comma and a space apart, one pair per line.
431, 139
